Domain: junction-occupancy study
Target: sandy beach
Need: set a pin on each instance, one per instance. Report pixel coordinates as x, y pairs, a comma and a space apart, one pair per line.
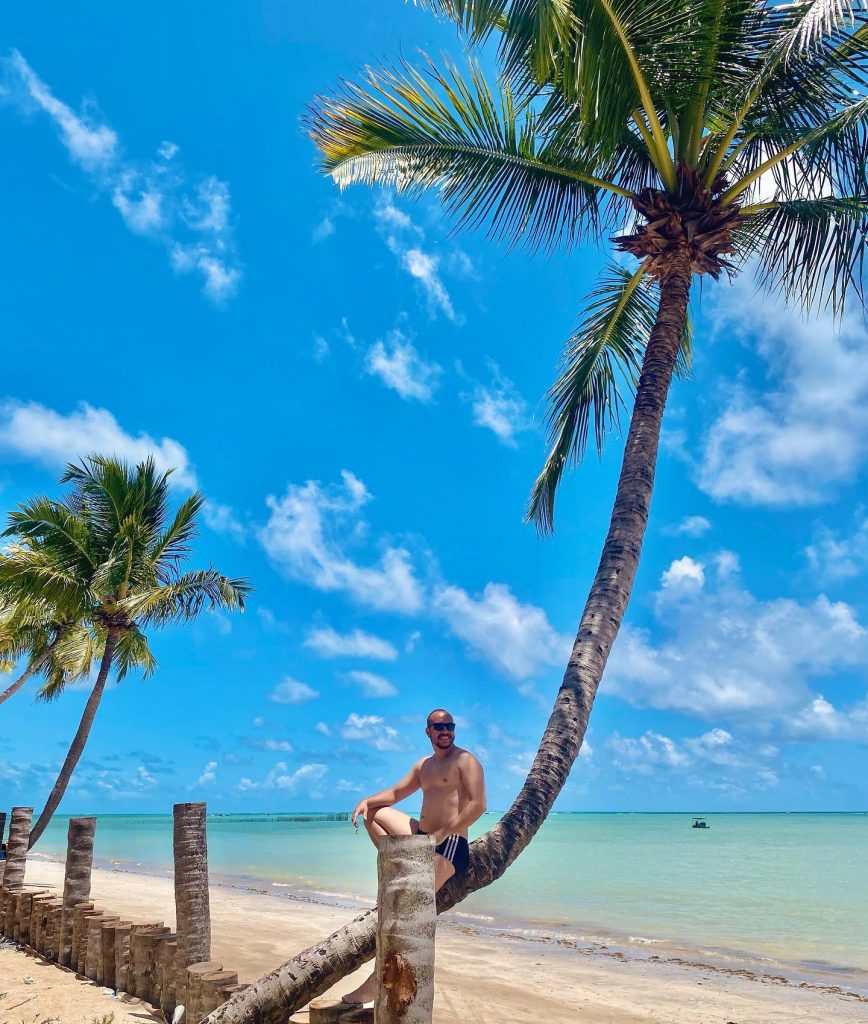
480, 977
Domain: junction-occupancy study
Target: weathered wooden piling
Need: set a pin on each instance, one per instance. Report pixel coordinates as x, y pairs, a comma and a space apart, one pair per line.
123, 932
336, 1011
106, 974
406, 923
77, 879
93, 956
135, 928
143, 946
16, 848
210, 989
79, 957
193, 989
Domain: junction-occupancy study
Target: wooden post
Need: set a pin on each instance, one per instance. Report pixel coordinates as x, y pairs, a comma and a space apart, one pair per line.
77, 914
406, 922
158, 960
143, 945
16, 847
123, 932
93, 957
167, 975
55, 918
76, 882
210, 986
192, 907
138, 926
336, 1011
25, 911
193, 1004
79, 963
107, 945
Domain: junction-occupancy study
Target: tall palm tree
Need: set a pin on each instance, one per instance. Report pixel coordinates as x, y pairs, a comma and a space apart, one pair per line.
711, 134
112, 549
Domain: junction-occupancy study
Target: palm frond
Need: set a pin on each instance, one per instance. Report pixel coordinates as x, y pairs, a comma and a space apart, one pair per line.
477, 19
601, 359
184, 599
810, 250
415, 129
133, 654
174, 544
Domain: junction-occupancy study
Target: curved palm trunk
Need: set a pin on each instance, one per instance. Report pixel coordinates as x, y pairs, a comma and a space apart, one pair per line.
280, 993
32, 668
79, 740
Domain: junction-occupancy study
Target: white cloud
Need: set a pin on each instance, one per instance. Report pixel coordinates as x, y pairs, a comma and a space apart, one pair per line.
306, 535
404, 239
808, 432
683, 573
144, 780
323, 729
514, 638
833, 557
33, 431
400, 367
208, 775
372, 685
345, 786
291, 691
328, 643
152, 196
719, 652
373, 730
644, 755
499, 407
325, 229
321, 348
689, 526
307, 777
223, 519
714, 760
820, 720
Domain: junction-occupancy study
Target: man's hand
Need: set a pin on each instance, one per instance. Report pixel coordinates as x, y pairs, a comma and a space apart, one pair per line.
361, 809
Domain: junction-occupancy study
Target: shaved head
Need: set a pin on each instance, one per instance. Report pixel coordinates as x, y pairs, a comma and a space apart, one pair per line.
437, 711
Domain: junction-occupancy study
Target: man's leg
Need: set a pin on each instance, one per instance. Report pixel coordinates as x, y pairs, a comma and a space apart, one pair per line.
389, 822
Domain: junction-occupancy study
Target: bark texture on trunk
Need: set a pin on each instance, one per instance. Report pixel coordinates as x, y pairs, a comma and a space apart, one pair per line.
192, 907
76, 882
16, 847
406, 922
78, 741
280, 993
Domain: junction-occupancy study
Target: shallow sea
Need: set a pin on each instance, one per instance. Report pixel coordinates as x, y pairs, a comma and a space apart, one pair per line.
785, 889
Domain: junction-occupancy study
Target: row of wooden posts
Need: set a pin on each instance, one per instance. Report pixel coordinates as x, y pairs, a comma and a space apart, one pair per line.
146, 959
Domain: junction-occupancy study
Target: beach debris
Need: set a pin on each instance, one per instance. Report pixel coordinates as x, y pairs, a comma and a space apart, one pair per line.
29, 980
178, 1015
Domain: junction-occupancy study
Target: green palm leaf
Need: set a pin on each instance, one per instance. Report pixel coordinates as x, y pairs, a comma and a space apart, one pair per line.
413, 130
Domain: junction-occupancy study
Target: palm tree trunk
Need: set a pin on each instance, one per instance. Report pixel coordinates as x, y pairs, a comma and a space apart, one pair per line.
80, 739
271, 999
32, 668
16, 848
406, 922
192, 906
76, 881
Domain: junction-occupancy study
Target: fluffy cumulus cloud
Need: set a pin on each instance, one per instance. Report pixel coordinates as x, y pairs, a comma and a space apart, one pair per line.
689, 526
713, 760
328, 643
372, 730
34, 432
498, 407
305, 780
719, 652
371, 684
291, 691
514, 638
307, 536
396, 362
153, 197
808, 431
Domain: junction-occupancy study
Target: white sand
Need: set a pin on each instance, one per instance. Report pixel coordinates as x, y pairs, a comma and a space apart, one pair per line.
479, 977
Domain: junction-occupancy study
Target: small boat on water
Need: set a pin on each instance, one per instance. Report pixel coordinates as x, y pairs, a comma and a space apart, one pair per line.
699, 823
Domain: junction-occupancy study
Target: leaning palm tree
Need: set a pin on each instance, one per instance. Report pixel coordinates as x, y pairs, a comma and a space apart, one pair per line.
50, 641
112, 547
711, 135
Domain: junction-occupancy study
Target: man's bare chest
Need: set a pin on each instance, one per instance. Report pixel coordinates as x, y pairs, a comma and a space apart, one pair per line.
444, 778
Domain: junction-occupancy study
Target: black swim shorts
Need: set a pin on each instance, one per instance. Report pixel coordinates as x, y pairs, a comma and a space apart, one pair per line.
455, 849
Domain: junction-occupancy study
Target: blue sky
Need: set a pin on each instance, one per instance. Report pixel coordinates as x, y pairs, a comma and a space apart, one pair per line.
359, 394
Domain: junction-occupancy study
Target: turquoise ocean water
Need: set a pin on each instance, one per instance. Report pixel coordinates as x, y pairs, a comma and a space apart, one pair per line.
787, 889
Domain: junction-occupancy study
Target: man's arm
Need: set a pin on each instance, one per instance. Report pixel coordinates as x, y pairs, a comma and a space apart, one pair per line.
473, 778
386, 797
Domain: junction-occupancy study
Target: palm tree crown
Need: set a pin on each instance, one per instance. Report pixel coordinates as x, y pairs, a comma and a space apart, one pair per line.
110, 557
718, 131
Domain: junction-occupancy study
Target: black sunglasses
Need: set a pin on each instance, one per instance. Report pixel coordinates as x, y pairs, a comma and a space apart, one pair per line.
441, 726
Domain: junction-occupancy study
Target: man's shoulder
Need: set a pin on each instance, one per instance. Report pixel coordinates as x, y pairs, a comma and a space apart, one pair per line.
465, 757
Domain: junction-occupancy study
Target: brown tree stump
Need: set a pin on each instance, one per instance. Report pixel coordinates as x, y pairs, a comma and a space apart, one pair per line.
166, 974
193, 989
144, 945
93, 957
138, 926
107, 945
123, 932
76, 880
336, 1011
210, 989
80, 965
73, 918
